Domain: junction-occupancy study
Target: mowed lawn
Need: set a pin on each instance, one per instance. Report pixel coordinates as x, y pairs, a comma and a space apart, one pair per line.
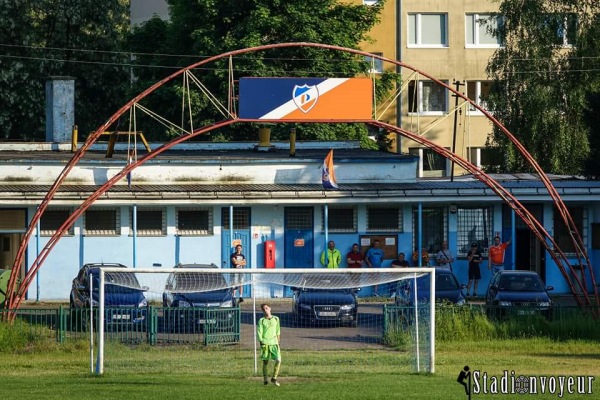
175, 372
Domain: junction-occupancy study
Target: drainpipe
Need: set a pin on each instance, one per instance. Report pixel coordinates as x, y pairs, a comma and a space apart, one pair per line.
37, 249
326, 219
399, 26
420, 238
134, 223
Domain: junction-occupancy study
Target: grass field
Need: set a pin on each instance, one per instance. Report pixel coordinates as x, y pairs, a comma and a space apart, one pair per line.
144, 372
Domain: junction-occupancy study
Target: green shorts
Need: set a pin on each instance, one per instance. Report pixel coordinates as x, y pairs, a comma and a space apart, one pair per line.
270, 352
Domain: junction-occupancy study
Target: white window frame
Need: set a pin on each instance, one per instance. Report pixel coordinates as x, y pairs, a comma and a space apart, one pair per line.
475, 31
375, 64
477, 99
148, 232
430, 173
370, 2
399, 227
195, 232
50, 232
464, 239
420, 99
103, 232
338, 230
419, 28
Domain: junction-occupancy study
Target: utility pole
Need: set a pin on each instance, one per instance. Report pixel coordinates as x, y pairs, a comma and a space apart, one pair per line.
458, 84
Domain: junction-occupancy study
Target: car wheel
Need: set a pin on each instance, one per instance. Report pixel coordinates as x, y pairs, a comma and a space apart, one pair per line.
354, 324
297, 321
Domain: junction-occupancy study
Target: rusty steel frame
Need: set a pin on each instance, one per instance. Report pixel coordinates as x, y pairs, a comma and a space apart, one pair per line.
14, 298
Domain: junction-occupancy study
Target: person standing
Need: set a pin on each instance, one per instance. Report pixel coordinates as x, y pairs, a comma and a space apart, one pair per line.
354, 258
444, 257
496, 259
475, 258
374, 258
268, 333
238, 261
400, 261
331, 257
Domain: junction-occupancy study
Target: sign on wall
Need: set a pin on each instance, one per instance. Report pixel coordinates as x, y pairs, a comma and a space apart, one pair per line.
306, 98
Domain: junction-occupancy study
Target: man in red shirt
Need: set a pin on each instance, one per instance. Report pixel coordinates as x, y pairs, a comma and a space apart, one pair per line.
354, 258
496, 255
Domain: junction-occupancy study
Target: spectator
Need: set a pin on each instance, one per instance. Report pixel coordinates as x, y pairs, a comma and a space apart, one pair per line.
444, 257
238, 261
331, 257
424, 258
354, 258
496, 259
400, 261
374, 258
475, 258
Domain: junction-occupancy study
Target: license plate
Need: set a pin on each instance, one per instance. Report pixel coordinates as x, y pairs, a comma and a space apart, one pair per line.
121, 316
525, 312
327, 314
207, 321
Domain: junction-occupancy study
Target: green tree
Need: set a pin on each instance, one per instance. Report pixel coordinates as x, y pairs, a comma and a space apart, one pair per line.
82, 39
539, 93
210, 27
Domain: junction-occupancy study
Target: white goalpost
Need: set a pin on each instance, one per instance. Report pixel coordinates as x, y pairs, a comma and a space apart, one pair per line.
282, 285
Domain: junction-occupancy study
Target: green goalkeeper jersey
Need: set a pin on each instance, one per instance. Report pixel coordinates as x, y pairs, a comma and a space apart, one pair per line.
268, 330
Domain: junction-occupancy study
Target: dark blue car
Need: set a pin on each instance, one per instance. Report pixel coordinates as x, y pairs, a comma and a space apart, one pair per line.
190, 309
124, 299
447, 288
518, 293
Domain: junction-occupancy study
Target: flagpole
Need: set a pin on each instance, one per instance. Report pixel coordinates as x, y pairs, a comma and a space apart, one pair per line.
326, 218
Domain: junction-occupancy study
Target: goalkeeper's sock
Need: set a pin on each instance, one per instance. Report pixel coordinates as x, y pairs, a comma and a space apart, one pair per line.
266, 372
276, 369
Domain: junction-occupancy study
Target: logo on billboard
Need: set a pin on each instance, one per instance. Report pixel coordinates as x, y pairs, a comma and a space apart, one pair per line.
305, 97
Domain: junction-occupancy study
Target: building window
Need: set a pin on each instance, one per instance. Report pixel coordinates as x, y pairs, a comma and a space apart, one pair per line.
375, 64
150, 221
427, 97
488, 158
564, 28
561, 232
427, 30
52, 219
478, 91
474, 224
370, 2
241, 218
194, 221
102, 222
384, 219
480, 28
340, 219
435, 228
431, 164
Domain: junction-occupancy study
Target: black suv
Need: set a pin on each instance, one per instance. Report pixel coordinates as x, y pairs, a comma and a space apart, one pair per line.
124, 299
188, 309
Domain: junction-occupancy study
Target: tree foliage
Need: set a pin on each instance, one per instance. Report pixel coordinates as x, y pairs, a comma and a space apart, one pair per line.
44, 38
210, 27
542, 81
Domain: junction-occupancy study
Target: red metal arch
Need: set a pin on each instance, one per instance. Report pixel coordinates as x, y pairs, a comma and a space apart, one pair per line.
14, 298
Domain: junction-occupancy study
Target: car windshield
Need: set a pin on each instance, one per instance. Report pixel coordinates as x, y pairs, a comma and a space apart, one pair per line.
192, 282
117, 282
442, 282
516, 283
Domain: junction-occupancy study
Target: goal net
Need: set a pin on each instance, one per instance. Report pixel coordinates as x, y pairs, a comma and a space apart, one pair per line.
323, 312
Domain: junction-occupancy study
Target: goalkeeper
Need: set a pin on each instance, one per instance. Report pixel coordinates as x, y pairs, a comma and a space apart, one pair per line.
268, 332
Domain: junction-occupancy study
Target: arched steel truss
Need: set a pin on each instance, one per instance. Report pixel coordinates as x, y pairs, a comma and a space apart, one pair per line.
14, 298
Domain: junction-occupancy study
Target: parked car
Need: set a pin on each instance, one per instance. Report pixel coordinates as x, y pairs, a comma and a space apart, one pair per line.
447, 288
189, 309
518, 293
124, 299
324, 306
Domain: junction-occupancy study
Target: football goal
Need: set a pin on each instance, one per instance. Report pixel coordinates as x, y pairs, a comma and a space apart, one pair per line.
321, 311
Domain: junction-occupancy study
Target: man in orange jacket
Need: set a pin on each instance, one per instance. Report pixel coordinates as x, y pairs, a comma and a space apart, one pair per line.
496, 255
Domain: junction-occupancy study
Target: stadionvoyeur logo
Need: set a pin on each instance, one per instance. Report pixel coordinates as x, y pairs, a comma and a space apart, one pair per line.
480, 382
